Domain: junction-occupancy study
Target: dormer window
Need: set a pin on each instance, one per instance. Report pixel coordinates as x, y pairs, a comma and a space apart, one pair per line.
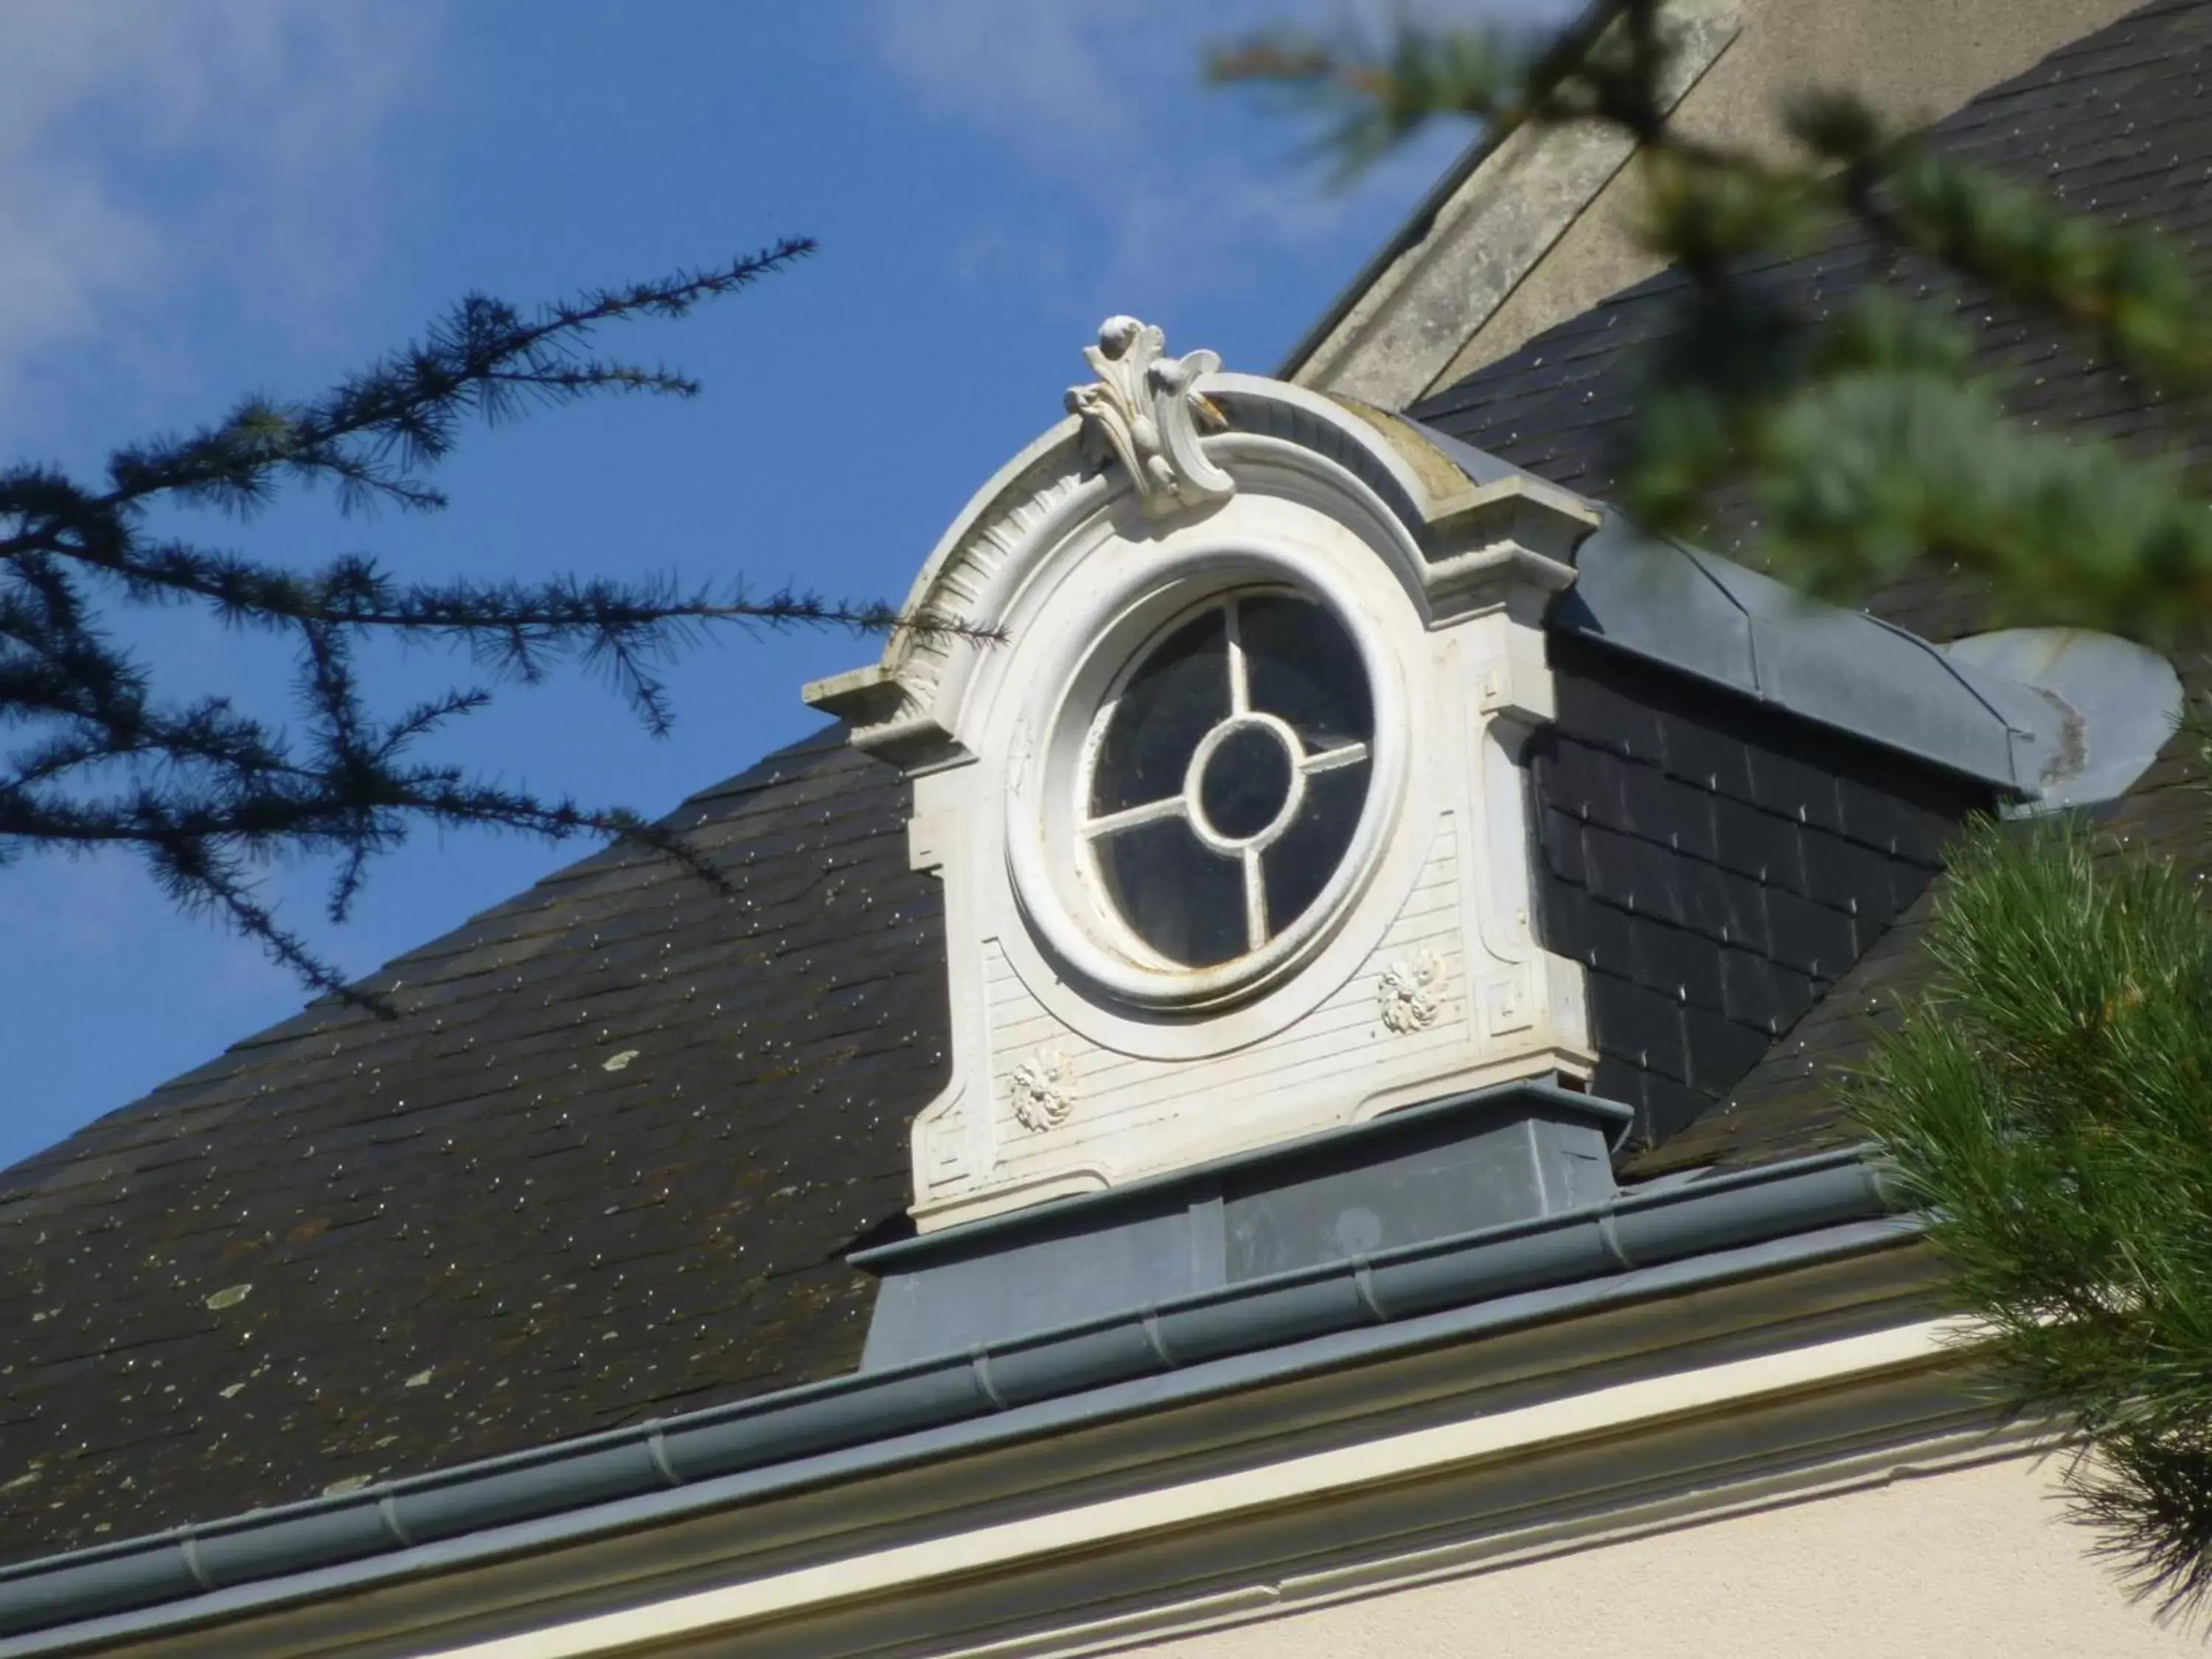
1232, 815
1227, 772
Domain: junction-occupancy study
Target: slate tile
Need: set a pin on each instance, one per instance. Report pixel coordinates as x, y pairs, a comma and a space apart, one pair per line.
1631, 874
1793, 787
1759, 992
1700, 754
1675, 963
1605, 936
1577, 779
1666, 1105
1757, 844
1635, 1024
1748, 924
1707, 902
1808, 937
1846, 876
1720, 1052
1608, 717
1675, 815
1561, 919
1917, 829
1560, 841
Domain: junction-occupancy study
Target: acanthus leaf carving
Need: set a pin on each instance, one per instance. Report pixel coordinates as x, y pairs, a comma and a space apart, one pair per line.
1407, 994
1043, 1088
1146, 408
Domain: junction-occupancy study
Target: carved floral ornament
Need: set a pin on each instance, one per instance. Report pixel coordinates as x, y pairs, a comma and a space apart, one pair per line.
1146, 407
1043, 1088
1407, 992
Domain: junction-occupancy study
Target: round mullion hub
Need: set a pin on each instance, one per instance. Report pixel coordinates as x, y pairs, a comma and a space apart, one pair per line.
1245, 783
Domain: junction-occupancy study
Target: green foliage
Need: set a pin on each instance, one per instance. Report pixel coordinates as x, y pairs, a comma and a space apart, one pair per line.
207, 794
1860, 440
2046, 1105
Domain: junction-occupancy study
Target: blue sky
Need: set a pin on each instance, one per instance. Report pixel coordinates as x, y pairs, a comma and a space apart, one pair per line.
237, 195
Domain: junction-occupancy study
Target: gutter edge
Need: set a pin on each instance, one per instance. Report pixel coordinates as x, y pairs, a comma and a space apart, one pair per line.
1234, 1337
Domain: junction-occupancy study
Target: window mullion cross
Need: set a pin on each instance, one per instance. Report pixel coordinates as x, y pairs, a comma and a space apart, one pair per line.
1240, 685
1240, 702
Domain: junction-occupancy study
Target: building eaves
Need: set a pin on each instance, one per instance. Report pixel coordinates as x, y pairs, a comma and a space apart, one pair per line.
1640, 1243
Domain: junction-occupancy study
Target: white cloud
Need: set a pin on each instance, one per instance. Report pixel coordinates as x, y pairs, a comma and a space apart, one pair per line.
1103, 99
156, 157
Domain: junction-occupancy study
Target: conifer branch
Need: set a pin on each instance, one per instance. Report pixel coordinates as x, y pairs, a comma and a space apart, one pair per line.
1807, 413
208, 796
2045, 1103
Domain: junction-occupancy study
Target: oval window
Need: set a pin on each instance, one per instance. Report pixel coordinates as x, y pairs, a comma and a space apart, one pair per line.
1226, 776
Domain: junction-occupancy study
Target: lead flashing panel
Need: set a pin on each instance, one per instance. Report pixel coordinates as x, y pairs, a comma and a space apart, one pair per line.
1710, 618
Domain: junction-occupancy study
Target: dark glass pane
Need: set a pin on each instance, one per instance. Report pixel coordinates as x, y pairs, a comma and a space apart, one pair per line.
1178, 695
1298, 865
1300, 665
1246, 781
1184, 901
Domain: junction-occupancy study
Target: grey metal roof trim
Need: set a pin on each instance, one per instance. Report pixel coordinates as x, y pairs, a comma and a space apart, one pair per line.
1258, 1330
1708, 617
1135, 1194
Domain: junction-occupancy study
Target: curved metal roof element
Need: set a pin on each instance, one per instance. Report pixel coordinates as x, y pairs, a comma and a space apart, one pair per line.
2116, 703
1707, 617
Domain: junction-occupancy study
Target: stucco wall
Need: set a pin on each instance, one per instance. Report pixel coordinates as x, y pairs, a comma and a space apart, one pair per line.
1914, 59
1951, 1564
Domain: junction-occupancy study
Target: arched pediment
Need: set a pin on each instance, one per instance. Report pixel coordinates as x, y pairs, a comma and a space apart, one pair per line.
1155, 444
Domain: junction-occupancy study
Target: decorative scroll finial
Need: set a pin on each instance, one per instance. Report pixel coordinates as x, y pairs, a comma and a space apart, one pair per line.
1145, 407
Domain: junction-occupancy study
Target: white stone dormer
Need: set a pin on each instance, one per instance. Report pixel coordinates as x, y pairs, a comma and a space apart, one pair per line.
1232, 819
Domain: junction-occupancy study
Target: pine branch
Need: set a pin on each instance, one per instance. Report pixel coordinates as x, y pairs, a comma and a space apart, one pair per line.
1747, 392
2044, 1104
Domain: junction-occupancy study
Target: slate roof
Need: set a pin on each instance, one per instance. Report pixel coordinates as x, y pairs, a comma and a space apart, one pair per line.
604, 1170
1717, 866
2118, 123
607, 1170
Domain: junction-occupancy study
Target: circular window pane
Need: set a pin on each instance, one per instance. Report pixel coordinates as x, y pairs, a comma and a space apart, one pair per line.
1179, 693
1228, 776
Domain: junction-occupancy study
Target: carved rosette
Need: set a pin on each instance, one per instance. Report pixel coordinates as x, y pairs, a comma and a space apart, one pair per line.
1408, 994
1043, 1089
1145, 409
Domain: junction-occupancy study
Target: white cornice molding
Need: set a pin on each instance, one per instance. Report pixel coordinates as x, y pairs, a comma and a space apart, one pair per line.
1643, 1406
1509, 542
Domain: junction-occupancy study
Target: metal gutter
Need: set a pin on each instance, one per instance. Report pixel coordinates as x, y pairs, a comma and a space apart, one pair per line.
1232, 1338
